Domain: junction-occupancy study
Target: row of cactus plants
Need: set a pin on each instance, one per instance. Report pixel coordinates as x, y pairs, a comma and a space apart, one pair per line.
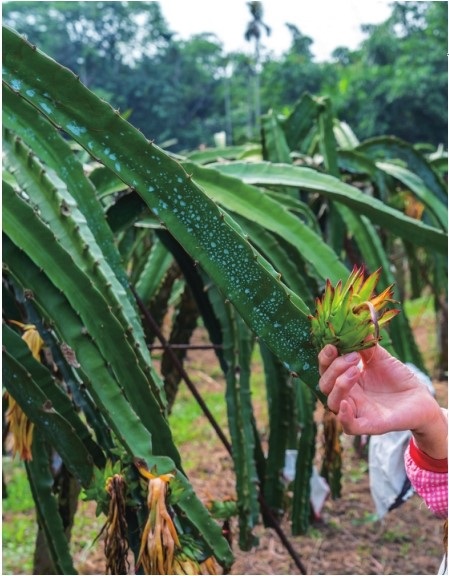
94, 213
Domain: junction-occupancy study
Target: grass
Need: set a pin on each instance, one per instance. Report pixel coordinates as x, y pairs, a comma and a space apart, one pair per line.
395, 535
85, 531
19, 527
186, 410
357, 472
191, 428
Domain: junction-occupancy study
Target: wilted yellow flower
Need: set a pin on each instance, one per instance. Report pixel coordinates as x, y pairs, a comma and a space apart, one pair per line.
159, 538
209, 566
184, 564
161, 550
20, 426
31, 337
116, 544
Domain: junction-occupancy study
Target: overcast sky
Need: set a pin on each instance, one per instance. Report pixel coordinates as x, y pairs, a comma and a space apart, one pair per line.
330, 23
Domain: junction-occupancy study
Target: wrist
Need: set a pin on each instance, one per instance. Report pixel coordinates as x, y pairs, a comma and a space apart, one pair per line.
431, 436
425, 462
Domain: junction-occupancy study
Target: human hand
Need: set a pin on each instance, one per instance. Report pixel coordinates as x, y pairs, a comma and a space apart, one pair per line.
373, 393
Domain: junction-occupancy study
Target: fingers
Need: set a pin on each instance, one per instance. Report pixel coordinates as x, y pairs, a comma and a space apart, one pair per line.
326, 356
349, 421
342, 387
346, 415
376, 354
332, 367
372, 354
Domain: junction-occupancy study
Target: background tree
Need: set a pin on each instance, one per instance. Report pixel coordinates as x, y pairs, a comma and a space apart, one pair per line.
254, 31
284, 80
375, 89
165, 100
99, 41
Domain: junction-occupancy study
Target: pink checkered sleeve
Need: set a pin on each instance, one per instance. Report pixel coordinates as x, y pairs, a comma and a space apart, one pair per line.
431, 484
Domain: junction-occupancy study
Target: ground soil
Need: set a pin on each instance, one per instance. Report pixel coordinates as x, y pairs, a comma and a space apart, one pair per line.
347, 539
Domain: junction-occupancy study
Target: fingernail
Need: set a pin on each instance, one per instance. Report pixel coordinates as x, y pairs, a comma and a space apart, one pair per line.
352, 357
352, 372
328, 352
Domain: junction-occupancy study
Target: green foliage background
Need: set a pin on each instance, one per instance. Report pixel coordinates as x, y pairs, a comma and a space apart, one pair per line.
183, 91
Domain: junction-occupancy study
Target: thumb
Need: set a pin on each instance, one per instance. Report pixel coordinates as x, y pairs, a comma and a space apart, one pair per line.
347, 417
353, 424
375, 353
